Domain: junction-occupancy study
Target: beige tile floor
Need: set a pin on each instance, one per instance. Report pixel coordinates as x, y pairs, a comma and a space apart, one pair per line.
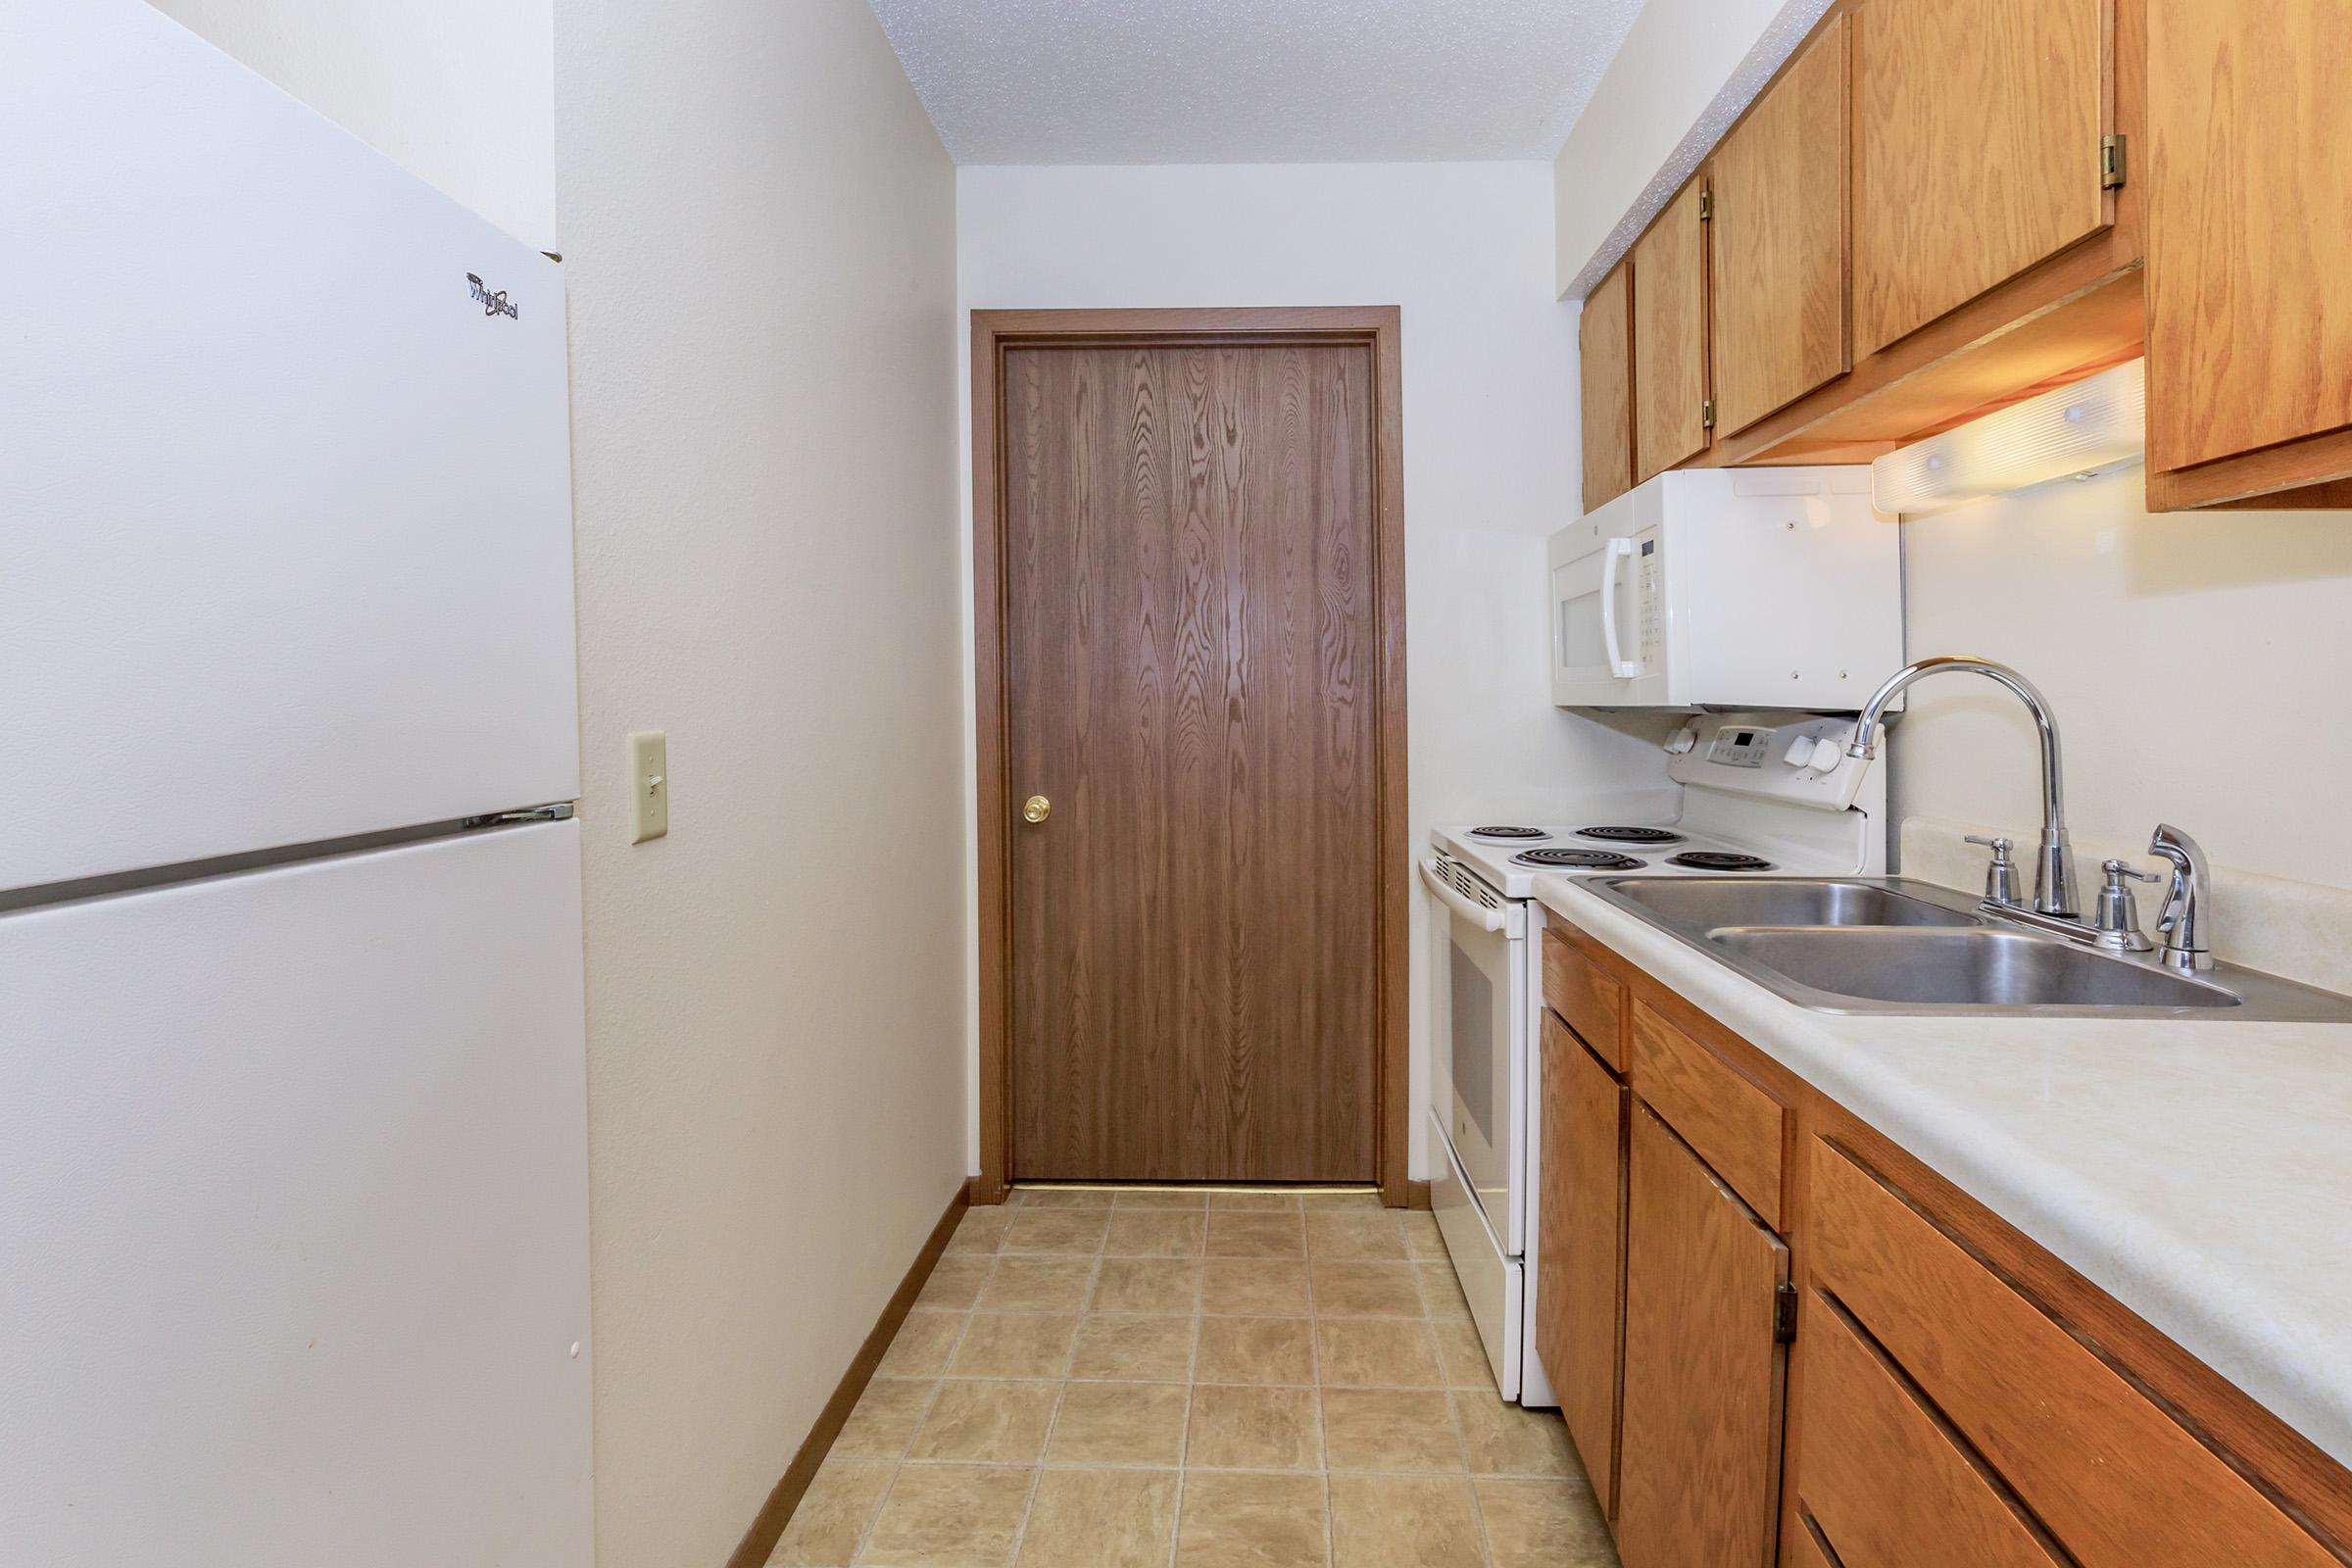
1194, 1379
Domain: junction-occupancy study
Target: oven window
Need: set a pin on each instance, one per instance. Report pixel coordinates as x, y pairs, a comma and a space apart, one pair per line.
1473, 1035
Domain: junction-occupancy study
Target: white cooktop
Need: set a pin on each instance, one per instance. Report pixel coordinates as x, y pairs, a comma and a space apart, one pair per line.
1495, 859
1777, 789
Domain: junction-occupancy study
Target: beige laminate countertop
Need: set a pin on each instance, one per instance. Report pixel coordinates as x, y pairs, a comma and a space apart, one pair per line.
2200, 1172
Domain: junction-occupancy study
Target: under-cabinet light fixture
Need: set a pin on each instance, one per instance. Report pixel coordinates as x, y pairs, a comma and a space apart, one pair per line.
2080, 429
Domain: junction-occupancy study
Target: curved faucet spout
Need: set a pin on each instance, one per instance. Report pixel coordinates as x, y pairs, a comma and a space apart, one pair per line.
2054, 863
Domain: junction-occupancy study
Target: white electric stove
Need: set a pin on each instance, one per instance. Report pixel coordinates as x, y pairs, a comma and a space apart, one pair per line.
1760, 795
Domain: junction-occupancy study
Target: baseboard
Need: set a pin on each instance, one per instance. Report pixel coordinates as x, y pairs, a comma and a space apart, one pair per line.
774, 1514
1416, 1195
979, 1191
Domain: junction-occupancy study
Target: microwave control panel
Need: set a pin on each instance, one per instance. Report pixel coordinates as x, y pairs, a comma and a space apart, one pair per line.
1648, 595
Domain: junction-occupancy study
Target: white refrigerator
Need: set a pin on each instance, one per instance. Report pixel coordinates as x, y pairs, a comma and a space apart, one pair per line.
293, 1153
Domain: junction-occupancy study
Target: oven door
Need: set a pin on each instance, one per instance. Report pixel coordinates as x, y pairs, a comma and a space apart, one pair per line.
1608, 645
1478, 1040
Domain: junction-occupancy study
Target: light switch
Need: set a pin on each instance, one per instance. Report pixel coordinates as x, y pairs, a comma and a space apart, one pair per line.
649, 785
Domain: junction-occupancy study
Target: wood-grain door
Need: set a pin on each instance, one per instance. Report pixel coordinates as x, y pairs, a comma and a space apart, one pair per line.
1977, 131
1780, 261
1606, 367
1580, 1247
1669, 335
1191, 642
1699, 1458
2249, 232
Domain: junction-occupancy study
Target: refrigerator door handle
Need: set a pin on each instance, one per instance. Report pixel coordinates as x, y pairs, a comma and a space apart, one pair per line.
555, 811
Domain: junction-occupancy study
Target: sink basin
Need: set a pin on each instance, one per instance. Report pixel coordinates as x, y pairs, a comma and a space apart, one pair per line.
1974, 967
1894, 946
1710, 901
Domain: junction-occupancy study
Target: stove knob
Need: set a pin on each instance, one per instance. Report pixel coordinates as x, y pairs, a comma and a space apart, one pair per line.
1800, 751
1827, 754
1683, 740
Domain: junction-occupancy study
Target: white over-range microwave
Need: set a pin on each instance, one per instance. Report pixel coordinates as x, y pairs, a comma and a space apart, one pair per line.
1747, 588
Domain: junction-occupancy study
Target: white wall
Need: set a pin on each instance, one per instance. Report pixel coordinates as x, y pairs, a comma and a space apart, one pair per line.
2196, 663
1490, 455
760, 245
1686, 71
458, 91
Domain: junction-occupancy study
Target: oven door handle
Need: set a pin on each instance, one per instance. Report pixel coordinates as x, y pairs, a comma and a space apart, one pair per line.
1451, 897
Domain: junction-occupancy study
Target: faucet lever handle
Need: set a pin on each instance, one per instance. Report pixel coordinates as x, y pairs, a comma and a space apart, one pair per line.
2000, 876
2117, 870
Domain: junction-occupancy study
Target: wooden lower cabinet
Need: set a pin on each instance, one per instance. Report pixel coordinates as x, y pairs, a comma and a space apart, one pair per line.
1952, 1396
1882, 1477
1699, 1461
2117, 1482
1580, 1248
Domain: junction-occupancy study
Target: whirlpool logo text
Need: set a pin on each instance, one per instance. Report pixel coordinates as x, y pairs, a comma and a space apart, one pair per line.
491, 303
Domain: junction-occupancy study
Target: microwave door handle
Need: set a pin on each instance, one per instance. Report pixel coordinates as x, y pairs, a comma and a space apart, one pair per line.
1622, 668
1451, 897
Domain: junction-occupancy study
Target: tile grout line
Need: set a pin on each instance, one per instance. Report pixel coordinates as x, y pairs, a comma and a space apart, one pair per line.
898, 1466
1315, 1335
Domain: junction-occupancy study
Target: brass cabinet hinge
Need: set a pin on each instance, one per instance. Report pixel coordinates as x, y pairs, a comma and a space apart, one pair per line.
1706, 414
1706, 203
1783, 1315
2111, 161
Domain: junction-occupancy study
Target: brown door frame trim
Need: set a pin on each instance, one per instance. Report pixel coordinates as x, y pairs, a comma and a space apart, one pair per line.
995, 331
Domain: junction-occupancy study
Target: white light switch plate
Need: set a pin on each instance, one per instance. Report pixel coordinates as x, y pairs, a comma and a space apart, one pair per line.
649, 785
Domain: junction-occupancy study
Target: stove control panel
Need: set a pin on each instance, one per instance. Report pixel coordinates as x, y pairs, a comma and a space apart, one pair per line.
1730, 753
1740, 747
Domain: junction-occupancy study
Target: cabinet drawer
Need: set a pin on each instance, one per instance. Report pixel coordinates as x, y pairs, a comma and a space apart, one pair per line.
1735, 1125
2112, 1477
1882, 1477
1591, 1004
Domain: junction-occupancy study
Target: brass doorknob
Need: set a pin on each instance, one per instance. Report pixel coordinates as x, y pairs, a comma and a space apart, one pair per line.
1036, 808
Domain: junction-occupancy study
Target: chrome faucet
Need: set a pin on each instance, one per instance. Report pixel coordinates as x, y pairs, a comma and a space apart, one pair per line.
2184, 921
2054, 859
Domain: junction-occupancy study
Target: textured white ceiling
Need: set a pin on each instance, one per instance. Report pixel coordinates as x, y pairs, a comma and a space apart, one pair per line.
1182, 81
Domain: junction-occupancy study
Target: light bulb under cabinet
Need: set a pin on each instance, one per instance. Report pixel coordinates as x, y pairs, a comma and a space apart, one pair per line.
2078, 431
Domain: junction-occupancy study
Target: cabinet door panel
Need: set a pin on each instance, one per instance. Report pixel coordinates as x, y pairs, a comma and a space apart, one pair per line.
1670, 336
1977, 131
2249, 225
1605, 354
1881, 1476
1580, 1269
2086, 1451
1698, 1454
1780, 240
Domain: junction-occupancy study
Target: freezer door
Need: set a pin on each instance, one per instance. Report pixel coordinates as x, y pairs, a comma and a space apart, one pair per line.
294, 1214
285, 526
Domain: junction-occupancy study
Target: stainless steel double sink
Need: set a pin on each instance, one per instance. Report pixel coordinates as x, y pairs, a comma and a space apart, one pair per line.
1893, 945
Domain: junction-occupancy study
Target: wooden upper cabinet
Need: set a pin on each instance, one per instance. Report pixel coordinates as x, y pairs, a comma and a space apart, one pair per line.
1669, 335
1978, 127
1780, 253
1580, 1247
1699, 1458
2249, 233
1605, 349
